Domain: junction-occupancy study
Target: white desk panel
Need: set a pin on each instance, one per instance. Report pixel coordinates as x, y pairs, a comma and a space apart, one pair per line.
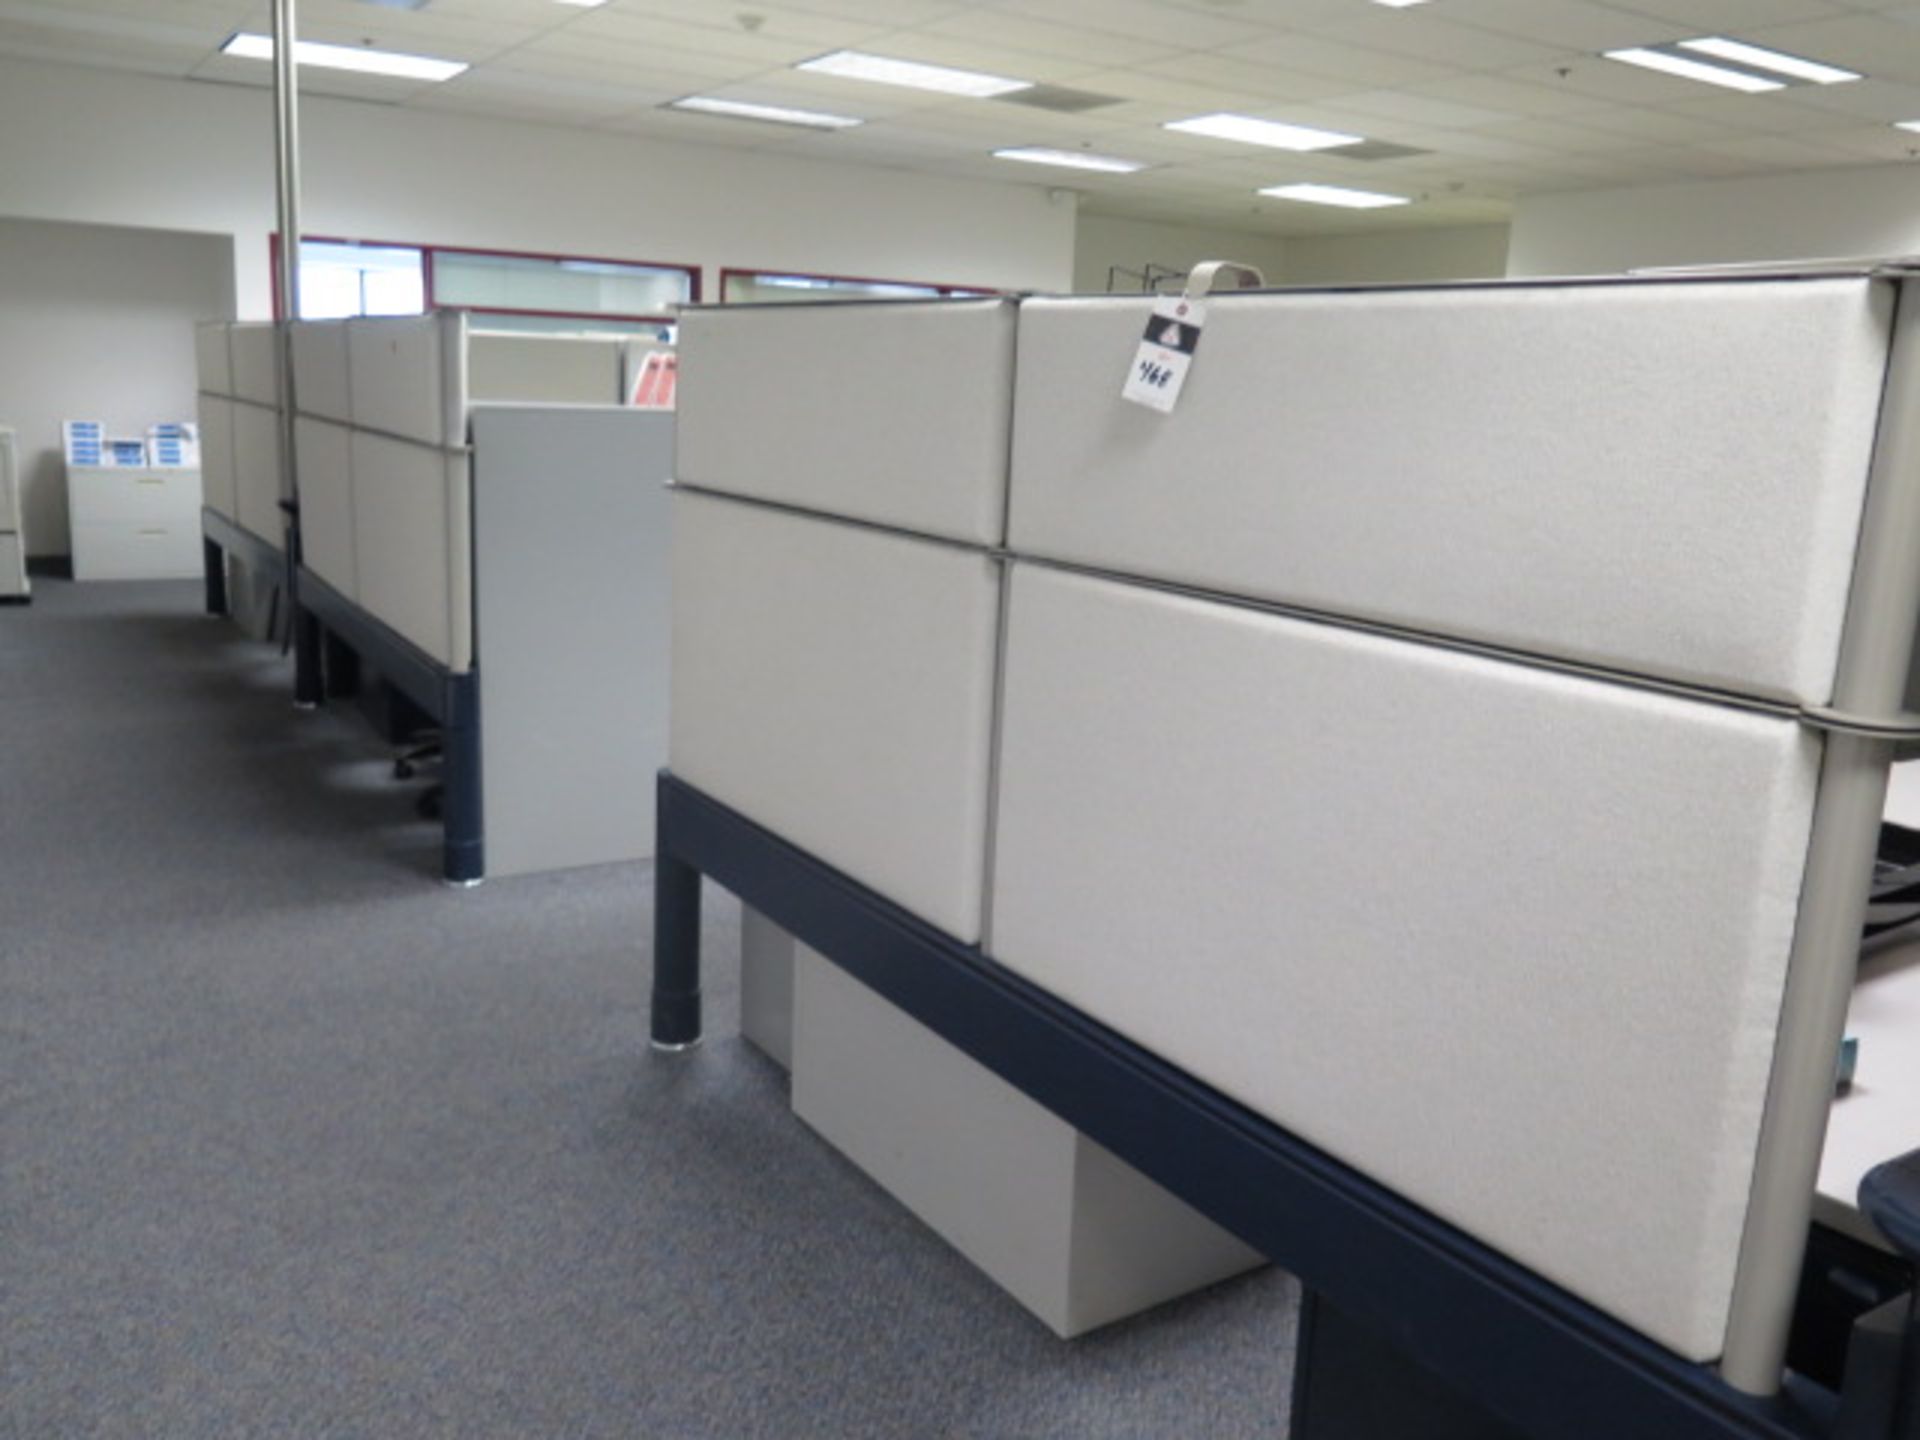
836, 684
1482, 462
1879, 1118
324, 452
896, 413
1421, 908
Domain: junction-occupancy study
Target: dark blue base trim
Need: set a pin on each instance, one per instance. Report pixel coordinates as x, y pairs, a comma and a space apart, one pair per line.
1534, 1358
451, 700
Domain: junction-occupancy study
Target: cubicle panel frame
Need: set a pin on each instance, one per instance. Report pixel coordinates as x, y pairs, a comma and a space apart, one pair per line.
451, 699
1535, 1356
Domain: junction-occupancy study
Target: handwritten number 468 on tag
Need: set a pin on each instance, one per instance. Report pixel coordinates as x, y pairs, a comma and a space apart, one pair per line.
1165, 353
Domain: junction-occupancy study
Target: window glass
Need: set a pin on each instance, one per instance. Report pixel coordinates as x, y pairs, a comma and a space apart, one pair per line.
340, 280
569, 287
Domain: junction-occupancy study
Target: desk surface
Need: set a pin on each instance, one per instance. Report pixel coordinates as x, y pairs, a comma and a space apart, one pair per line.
1880, 1118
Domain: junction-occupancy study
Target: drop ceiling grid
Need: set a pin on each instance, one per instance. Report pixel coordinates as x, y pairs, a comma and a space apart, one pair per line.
1507, 96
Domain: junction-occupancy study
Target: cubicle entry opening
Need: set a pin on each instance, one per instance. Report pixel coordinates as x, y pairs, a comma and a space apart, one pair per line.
1410, 1298
451, 699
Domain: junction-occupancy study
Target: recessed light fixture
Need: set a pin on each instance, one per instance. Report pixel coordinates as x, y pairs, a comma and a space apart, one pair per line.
1250, 131
1399, 4
1913, 125
1336, 195
771, 114
248, 46
583, 4
1695, 70
1757, 58
884, 70
1070, 159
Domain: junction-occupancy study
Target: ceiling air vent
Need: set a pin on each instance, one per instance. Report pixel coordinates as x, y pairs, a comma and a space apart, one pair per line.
1058, 97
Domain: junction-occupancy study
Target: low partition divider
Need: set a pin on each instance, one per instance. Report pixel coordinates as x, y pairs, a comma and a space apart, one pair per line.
1095, 728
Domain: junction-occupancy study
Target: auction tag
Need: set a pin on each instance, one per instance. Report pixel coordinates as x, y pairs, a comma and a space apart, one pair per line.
1161, 363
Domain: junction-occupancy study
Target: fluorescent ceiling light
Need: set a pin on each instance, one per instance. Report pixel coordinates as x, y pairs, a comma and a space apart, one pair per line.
1695, 70
1913, 125
857, 65
1336, 195
1399, 4
1071, 159
1250, 131
248, 46
1757, 58
583, 4
772, 114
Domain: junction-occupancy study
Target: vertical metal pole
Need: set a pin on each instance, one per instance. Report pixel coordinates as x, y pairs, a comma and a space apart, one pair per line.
286, 136
1876, 646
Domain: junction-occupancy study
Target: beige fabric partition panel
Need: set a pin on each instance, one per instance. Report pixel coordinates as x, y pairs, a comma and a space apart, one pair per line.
1512, 943
259, 484
836, 684
893, 412
543, 369
411, 545
255, 359
212, 364
407, 376
217, 484
323, 452
1661, 478
320, 383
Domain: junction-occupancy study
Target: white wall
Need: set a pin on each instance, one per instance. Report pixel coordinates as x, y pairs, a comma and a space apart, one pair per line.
1872, 210
97, 146
1451, 252
96, 323
1104, 240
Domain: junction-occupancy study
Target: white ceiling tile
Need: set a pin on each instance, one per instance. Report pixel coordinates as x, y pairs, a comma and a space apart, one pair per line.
1861, 100
1141, 20
1245, 77
739, 46
1430, 38
1564, 24
1318, 55
1421, 109
1716, 16
1027, 33
1876, 45
1785, 152
1516, 97
1659, 126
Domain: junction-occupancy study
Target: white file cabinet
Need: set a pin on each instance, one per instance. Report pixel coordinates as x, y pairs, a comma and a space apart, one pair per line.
134, 522
13, 544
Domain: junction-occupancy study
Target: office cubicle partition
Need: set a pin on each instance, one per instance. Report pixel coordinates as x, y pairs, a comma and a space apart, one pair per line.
465, 547
1435, 849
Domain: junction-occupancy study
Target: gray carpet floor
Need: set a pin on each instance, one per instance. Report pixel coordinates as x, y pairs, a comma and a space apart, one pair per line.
296, 1142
